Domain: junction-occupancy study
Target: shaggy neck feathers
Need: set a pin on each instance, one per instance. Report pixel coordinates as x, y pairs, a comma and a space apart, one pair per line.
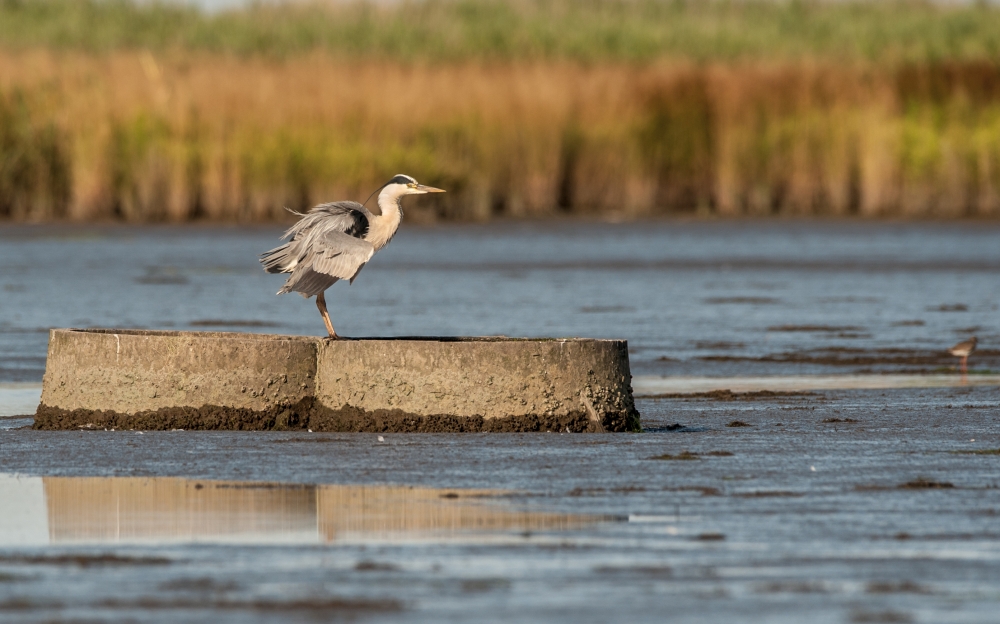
382, 227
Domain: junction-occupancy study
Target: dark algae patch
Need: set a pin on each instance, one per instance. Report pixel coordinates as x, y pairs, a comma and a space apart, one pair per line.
926, 484
309, 414
688, 455
738, 423
345, 607
375, 566
729, 395
792, 587
744, 300
901, 587
704, 490
202, 584
849, 356
718, 344
839, 420
769, 494
978, 452
919, 483
682, 456
13, 578
83, 561
881, 617
815, 328
663, 572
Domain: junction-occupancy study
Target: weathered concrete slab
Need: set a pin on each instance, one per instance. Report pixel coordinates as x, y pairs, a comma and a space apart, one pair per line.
581, 384
140, 379
138, 370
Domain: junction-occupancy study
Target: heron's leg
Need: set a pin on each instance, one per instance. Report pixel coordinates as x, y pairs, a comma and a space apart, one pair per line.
321, 304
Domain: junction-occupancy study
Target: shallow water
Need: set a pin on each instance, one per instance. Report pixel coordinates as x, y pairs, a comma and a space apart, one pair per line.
866, 490
19, 398
835, 507
717, 299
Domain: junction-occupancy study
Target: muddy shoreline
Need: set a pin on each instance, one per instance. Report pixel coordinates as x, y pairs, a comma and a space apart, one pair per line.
309, 415
847, 505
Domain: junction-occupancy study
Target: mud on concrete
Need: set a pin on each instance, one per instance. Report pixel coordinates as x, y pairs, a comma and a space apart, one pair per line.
309, 414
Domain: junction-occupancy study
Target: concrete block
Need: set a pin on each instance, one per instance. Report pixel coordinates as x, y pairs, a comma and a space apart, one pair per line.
139, 379
496, 383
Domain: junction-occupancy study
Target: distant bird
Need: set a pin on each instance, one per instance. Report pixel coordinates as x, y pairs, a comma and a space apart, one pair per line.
963, 350
334, 241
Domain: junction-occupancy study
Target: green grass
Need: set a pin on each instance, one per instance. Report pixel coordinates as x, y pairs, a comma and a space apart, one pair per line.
583, 30
35, 167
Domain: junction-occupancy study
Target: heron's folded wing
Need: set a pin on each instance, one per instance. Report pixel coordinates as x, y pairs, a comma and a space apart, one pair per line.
340, 255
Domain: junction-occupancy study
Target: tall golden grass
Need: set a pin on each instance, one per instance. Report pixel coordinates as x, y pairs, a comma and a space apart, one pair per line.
180, 135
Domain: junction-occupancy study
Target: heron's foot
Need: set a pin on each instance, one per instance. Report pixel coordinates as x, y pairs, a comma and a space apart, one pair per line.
332, 336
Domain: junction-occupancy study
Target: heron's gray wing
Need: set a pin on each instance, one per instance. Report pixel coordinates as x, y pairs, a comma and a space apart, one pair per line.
340, 255
331, 256
307, 282
347, 217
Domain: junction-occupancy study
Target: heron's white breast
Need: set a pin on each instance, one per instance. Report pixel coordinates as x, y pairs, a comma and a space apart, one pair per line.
381, 228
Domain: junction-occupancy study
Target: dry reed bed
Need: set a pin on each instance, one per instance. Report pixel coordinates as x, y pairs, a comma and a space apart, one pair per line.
181, 136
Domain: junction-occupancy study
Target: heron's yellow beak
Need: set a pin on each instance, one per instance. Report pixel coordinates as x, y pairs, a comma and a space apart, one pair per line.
428, 189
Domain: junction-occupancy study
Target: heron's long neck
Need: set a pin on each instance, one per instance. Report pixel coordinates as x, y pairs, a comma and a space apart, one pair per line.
382, 227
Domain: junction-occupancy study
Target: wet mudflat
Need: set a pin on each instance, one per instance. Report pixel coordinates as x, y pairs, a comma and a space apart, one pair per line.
833, 506
845, 477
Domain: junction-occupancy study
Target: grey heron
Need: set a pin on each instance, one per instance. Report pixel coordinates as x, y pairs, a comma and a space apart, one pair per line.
334, 241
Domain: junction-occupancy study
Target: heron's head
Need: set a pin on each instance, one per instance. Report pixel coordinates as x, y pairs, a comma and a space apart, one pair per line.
405, 185
393, 191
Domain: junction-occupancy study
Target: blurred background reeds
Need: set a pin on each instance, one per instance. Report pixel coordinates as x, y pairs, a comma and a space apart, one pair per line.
151, 112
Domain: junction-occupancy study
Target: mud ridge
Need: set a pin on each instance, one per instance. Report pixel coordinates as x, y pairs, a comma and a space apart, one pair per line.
308, 414
841, 356
729, 395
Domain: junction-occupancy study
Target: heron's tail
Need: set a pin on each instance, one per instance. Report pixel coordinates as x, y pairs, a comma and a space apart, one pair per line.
307, 282
276, 260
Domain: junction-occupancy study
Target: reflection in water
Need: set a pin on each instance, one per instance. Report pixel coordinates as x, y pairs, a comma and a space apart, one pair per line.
127, 509
96, 509
348, 511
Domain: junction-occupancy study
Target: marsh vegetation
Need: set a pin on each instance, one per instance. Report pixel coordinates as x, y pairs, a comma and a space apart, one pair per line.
153, 112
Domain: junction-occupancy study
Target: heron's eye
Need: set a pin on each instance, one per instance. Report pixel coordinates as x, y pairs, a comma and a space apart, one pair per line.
412, 185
